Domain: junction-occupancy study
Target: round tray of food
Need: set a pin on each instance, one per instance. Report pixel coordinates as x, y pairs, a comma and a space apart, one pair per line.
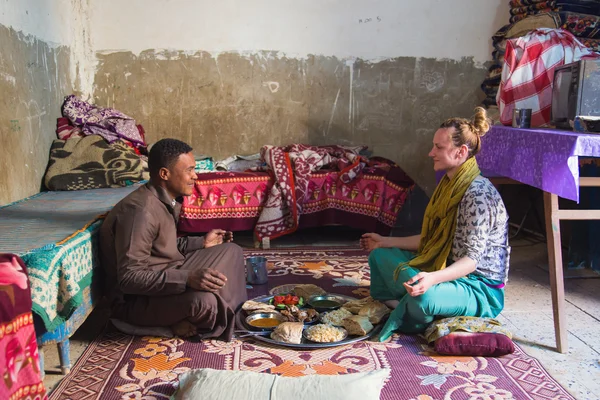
306, 316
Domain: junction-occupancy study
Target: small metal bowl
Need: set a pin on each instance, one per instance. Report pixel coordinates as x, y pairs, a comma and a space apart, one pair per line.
264, 315
306, 333
334, 301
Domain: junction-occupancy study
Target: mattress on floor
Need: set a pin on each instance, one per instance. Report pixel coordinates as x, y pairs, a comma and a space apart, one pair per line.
55, 233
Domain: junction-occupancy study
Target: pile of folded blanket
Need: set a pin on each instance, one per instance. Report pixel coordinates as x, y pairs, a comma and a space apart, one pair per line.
96, 148
521, 9
579, 17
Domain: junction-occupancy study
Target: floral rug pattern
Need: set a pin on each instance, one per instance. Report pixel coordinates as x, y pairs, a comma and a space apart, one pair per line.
118, 366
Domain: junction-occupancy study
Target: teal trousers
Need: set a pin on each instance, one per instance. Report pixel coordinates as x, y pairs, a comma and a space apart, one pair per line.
472, 295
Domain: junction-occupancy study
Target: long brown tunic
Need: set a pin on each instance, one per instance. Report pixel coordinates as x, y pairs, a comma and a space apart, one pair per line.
147, 267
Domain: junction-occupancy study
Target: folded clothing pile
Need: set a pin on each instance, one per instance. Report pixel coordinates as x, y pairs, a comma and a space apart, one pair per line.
96, 148
521, 9
579, 17
90, 162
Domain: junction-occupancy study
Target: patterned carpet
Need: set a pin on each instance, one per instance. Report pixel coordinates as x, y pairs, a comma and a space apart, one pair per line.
117, 366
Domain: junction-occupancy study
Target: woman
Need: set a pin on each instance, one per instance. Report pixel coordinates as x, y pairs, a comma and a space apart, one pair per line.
462, 258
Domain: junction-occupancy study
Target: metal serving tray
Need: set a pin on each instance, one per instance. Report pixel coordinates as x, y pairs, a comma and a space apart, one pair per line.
264, 336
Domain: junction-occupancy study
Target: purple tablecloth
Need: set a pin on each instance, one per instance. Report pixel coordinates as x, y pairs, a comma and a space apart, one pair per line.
543, 158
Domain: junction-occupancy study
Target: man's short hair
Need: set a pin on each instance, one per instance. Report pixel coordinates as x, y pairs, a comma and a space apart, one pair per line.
165, 153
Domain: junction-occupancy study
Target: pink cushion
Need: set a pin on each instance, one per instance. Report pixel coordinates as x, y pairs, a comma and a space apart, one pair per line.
474, 344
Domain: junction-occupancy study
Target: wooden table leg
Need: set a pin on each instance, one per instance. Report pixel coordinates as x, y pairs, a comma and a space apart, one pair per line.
555, 267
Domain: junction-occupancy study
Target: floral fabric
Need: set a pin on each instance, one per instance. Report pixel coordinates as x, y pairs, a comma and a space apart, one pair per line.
19, 359
445, 326
109, 123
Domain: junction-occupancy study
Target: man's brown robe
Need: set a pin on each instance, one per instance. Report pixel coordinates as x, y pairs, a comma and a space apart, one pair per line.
147, 267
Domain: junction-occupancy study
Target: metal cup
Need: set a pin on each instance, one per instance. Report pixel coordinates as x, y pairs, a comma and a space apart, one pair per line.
521, 118
256, 270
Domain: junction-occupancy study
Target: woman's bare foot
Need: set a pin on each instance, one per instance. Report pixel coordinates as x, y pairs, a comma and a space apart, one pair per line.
184, 329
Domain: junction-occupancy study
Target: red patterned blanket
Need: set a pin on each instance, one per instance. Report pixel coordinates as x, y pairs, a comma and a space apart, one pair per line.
226, 200
355, 192
19, 359
292, 167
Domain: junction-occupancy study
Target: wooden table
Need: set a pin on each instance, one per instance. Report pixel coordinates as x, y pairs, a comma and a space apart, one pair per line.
548, 160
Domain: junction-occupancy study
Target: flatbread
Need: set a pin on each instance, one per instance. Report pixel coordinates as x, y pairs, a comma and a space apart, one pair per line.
308, 290
375, 311
252, 306
358, 325
288, 332
354, 306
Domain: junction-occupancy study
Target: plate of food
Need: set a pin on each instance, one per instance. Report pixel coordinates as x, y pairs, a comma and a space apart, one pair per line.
302, 326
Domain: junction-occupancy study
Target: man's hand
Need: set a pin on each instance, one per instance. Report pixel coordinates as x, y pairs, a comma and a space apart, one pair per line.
371, 241
216, 237
207, 280
419, 284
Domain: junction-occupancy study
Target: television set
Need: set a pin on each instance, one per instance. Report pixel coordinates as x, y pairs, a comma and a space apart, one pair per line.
575, 92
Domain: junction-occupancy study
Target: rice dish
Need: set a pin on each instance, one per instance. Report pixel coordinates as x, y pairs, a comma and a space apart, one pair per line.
336, 317
324, 333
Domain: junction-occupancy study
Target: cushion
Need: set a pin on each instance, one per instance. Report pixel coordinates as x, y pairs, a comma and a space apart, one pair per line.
445, 326
211, 384
475, 344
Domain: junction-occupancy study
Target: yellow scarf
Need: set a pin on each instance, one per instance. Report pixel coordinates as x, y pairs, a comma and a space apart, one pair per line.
439, 223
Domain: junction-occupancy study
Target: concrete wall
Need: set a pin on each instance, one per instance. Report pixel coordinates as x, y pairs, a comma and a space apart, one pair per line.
367, 29
229, 77
37, 69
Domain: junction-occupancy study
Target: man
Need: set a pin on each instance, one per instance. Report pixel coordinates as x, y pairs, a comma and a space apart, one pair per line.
192, 284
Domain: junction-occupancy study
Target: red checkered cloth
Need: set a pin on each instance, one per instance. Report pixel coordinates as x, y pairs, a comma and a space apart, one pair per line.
528, 71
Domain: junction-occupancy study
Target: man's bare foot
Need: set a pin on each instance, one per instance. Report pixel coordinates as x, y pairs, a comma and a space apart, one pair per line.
184, 329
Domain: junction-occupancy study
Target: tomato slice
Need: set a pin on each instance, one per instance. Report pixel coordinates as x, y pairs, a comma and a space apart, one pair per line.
291, 300
278, 299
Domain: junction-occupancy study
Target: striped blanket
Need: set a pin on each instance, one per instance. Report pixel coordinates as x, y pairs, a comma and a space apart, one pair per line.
55, 234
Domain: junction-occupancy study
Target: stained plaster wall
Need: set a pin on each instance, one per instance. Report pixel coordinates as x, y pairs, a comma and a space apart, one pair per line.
229, 77
37, 69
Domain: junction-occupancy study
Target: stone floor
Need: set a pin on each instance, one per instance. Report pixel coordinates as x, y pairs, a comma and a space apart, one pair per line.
528, 313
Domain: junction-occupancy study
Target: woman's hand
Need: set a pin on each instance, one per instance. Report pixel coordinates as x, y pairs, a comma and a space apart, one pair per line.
420, 283
216, 237
371, 241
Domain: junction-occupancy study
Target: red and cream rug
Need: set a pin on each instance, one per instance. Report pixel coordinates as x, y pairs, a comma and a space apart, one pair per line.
118, 366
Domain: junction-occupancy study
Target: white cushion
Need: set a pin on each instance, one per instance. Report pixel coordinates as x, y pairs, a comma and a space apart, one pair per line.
212, 384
